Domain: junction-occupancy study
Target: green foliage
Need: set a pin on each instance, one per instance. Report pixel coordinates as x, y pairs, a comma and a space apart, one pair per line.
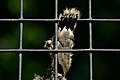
13, 6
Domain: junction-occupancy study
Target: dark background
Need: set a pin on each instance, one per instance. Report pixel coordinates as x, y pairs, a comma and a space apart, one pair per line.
105, 36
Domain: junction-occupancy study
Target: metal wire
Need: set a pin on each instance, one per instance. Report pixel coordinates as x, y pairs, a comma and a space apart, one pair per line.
21, 34
91, 68
57, 20
90, 39
56, 56
20, 66
21, 40
56, 40
21, 9
90, 34
20, 50
20, 54
73, 50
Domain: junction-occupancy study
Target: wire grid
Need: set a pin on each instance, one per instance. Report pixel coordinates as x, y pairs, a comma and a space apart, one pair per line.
20, 50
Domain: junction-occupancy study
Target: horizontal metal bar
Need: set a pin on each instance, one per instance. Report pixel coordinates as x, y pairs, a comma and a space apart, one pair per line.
53, 20
104, 20
29, 20
56, 20
46, 50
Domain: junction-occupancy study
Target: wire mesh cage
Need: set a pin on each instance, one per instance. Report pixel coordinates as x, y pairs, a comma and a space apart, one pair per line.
91, 45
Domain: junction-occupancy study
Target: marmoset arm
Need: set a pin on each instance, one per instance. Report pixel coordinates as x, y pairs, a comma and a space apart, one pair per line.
65, 34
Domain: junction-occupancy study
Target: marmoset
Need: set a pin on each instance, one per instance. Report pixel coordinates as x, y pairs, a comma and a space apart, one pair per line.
66, 27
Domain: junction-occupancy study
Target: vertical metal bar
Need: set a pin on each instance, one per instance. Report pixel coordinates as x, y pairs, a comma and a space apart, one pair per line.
56, 39
90, 35
90, 24
56, 55
56, 36
21, 9
20, 54
90, 9
90, 43
21, 35
56, 66
20, 66
91, 67
90, 39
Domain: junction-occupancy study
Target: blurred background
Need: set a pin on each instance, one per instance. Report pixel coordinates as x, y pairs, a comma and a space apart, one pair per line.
105, 36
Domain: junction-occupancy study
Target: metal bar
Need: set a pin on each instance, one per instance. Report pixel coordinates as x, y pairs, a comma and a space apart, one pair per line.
57, 20
90, 44
90, 9
91, 67
56, 36
29, 20
56, 57
56, 40
21, 35
90, 39
90, 24
21, 9
20, 54
56, 50
56, 66
59, 50
90, 35
20, 66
